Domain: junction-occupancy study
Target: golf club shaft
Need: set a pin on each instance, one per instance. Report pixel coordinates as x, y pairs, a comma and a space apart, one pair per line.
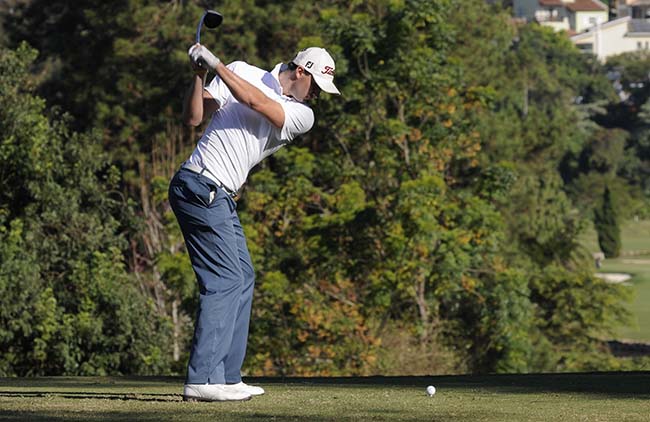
198, 29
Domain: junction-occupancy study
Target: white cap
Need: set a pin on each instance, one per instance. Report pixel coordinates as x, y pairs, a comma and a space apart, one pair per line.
318, 62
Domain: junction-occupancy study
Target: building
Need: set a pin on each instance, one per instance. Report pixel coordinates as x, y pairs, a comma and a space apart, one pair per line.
629, 32
573, 16
589, 25
636, 9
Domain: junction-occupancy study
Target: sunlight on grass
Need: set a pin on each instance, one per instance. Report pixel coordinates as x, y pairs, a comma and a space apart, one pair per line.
634, 260
558, 397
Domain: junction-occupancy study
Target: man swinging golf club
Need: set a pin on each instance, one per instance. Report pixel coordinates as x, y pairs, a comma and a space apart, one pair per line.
253, 113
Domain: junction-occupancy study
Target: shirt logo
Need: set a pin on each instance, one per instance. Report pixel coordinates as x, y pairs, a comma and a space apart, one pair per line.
328, 71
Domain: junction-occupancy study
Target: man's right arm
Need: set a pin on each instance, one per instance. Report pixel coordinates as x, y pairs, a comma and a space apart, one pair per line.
198, 103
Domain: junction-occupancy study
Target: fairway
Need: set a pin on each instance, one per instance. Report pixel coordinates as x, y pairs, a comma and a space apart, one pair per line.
639, 269
634, 260
552, 397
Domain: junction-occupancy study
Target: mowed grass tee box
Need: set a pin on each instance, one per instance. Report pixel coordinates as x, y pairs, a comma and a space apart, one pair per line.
550, 397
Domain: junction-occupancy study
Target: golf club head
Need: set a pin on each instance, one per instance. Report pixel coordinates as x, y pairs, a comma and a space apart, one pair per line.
212, 19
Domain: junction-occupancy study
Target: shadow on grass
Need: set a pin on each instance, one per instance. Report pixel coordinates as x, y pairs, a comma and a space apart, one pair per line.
90, 395
624, 384
158, 416
139, 382
614, 384
36, 416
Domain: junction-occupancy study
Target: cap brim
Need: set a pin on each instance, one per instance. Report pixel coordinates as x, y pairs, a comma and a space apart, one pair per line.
326, 85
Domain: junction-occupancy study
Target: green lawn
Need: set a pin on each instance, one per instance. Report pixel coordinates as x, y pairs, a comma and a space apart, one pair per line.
553, 397
635, 260
635, 236
639, 268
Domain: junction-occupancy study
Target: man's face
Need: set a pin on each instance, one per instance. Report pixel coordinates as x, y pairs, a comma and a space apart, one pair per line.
309, 89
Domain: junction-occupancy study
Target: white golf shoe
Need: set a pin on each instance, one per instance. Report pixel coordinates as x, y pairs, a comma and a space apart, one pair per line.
245, 388
213, 392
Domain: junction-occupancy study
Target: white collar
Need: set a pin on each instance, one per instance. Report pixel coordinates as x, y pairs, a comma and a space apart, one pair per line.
275, 73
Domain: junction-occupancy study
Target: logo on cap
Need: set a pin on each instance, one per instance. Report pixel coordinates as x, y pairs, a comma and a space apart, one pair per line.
328, 71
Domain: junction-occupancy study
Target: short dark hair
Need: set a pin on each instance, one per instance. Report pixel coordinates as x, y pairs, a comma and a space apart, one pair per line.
293, 66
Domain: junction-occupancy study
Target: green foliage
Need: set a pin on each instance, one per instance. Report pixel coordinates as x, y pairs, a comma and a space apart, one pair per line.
634, 171
388, 217
607, 226
576, 311
632, 69
307, 318
630, 117
545, 95
68, 304
606, 161
441, 195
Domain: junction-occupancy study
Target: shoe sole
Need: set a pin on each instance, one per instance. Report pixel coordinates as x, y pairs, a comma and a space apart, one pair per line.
202, 399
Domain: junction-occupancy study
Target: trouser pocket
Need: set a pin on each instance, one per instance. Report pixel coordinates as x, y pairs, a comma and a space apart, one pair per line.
193, 188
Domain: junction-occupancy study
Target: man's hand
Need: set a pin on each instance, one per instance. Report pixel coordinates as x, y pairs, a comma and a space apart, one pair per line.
202, 59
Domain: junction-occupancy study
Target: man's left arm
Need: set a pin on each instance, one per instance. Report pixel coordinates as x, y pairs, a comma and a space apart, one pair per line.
249, 94
245, 92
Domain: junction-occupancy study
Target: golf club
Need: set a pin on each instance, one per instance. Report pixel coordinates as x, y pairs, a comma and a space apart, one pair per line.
212, 19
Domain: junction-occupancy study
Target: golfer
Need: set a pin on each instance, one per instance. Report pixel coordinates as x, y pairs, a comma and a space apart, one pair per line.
253, 113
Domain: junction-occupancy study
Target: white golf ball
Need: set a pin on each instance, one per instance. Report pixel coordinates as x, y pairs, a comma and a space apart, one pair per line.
431, 390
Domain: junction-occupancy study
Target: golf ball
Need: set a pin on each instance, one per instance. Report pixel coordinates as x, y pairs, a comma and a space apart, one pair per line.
431, 390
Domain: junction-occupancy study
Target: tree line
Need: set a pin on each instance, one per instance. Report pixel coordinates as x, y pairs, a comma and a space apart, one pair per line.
429, 223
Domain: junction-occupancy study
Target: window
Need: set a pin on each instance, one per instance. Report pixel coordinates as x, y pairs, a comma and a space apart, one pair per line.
586, 47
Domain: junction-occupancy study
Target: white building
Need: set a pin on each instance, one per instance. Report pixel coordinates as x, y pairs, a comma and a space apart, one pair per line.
573, 16
630, 32
588, 24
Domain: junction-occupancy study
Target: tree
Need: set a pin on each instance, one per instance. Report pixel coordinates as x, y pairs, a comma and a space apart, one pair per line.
547, 101
428, 201
378, 225
606, 223
127, 83
68, 304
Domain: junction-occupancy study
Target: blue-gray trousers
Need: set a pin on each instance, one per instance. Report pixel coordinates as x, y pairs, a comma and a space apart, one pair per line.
217, 247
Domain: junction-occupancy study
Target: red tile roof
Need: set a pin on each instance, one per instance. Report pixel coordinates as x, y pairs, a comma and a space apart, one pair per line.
576, 5
586, 6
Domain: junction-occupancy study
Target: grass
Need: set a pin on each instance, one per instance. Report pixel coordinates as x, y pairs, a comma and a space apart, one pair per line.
635, 236
549, 397
639, 269
635, 260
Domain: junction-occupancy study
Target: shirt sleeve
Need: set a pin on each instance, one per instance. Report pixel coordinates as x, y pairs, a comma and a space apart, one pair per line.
218, 89
298, 119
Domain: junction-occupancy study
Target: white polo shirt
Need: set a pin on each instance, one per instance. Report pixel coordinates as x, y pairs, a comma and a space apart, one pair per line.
237, 137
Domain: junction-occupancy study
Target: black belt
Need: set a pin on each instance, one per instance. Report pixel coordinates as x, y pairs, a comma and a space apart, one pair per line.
200, 170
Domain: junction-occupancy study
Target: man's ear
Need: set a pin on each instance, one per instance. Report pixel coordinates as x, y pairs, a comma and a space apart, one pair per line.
300, 72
